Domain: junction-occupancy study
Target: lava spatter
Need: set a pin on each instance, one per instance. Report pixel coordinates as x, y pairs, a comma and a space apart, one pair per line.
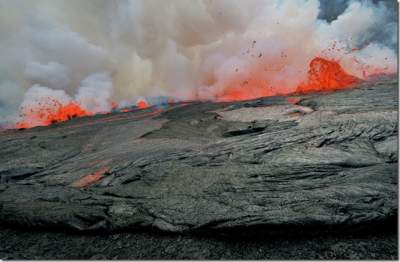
142, 104
326, 75
50, 113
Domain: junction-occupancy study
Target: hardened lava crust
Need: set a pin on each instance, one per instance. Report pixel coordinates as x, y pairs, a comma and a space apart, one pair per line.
300, 177
317, 160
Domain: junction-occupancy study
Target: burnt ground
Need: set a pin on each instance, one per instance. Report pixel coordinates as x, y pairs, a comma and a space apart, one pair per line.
306, 177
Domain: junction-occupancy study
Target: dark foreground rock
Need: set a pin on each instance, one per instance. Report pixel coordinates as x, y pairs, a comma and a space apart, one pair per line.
321, 160
375, 243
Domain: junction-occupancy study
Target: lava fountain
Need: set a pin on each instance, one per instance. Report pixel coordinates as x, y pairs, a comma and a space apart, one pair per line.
142, 104
323, 75
49, 113
326, 75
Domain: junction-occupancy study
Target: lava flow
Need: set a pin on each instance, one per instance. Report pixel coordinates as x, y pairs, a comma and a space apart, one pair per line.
91, 178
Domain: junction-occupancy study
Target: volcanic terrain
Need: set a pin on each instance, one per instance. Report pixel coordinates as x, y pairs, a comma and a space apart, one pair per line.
300, 172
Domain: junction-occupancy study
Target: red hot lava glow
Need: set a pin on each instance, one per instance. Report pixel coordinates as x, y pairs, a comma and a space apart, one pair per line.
142, 104
91, 178
47, 115
323, 75
326, 75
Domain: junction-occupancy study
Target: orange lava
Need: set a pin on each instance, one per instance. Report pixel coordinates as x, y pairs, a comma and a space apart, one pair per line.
326, 75
247, 87
238, 93
91, 178
114, 105
142, 104
323, 75
47, 115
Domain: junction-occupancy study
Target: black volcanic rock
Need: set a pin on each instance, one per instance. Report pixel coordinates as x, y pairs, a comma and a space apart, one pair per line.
328, 160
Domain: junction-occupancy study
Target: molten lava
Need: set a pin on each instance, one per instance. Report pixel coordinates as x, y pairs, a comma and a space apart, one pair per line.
142, 104
326, 75
114, 105
54, 113
67, 112
323, 75
246, 87
91, 178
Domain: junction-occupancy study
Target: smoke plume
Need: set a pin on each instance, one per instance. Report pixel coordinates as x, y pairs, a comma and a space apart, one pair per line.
93, 52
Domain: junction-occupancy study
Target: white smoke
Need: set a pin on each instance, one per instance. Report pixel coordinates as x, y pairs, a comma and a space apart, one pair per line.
93, 96
52, 74
95, 93
186, 49
40, 101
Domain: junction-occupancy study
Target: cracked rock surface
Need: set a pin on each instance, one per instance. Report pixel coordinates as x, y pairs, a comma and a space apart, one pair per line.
320, 159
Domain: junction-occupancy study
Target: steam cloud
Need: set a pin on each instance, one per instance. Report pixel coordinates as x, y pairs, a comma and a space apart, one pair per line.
96, 51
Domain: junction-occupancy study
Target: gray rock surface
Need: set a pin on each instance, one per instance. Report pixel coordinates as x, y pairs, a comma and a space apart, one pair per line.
328, 160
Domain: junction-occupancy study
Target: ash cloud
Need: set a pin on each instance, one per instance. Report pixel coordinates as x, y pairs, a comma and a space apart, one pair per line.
96, 51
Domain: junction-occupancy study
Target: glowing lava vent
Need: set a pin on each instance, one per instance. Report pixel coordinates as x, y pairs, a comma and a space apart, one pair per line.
326, 75
49, 113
